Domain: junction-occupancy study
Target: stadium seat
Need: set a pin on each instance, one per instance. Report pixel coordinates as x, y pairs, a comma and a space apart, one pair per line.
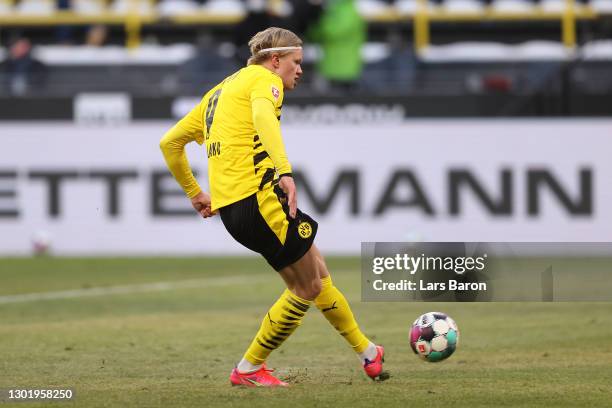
466, 52
224, 7
280, 8
540, 51
373, 52
600, 50
176, 7
409, 7
557, 6
5, 7
462, 6
142, 7
89, 7
495, 52
512, 6
114, 55
405, 6
35, 7
369, 8
602, 6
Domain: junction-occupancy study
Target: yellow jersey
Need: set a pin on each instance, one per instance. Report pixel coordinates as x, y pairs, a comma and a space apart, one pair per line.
238, 163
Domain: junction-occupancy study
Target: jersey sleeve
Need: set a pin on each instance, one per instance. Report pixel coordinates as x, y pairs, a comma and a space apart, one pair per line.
269, 87
172, 146
192, 125
268, 128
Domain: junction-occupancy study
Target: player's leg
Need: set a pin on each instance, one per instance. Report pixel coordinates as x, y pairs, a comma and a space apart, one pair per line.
336, 309
285, 316
302, 277
310, 279
261, 224
281, 320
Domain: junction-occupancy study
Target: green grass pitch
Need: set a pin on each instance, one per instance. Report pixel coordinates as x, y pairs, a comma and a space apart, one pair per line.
170, 330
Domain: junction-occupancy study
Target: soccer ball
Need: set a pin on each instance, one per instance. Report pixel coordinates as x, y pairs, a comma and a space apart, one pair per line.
41, 243
434, 336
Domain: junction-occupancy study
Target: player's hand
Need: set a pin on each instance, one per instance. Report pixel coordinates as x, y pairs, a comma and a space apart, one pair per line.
201, 203
288, 186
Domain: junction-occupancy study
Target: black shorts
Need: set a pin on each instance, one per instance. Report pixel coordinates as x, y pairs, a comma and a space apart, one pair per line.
261, 223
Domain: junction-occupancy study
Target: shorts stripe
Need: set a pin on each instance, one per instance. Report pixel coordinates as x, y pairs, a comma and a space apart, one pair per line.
261, 223
272, 212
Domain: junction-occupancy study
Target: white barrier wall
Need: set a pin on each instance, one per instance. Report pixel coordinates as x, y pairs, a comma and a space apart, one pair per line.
105, 190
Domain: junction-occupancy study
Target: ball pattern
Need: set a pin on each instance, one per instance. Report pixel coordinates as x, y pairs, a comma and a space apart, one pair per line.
434, 336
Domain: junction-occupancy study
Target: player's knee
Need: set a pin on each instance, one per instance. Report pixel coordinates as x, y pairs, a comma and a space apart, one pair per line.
310, 290
316, 287
323, 271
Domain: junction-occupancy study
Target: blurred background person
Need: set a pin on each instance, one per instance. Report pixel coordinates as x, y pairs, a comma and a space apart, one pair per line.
341, 32
396, 73
96, 36
210, 64
21, 71
64, 34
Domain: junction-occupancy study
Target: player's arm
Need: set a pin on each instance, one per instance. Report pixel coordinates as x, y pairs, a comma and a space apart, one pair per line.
268, 128
172, 146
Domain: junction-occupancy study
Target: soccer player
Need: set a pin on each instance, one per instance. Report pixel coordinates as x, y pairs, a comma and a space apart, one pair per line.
252, 188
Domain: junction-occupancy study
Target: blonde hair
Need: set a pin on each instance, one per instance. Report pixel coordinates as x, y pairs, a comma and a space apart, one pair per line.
272, 37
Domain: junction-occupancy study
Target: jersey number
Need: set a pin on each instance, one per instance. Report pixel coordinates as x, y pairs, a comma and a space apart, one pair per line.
210, 110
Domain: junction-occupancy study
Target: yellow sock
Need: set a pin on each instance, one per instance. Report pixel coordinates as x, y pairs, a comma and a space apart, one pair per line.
334, 306
281, 320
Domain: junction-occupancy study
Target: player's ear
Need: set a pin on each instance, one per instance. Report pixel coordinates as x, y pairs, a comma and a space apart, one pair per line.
275, 60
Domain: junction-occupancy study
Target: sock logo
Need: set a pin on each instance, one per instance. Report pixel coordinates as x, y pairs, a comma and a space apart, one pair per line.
333, 306
270, 319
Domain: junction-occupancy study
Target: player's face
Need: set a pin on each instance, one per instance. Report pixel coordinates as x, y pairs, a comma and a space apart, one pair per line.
290, 69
